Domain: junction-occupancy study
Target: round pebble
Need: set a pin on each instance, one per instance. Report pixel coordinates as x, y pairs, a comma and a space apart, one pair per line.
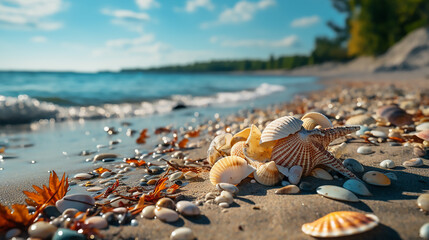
289, 189
224, 205
166, 203
423, 201
94, 189
67, 234
41, 230
424, 231
227, 187
148, 212
387, 164
151, 182
82, 176
166, 214
364, 150
187, 208
337, 193
80, 202
357, 187
295, 173
353, 165
379, 134
182, 233
134, 223
106, 174
175, 176
415, 162
97, 222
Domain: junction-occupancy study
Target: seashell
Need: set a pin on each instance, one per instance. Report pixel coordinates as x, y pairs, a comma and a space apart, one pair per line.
340, 224
338, 150
415, 162
423, 201
337, 193
394, 115
364, 150
253, 149
219, 147
295, 173
387, 164
240, 136
353, 165
289, 189
423, 135
237, 149
283, 170
321, 174
357, 187
424, 231
313, 119
422, 127
267, 174
376, 178
362, 119
231, 169
281, 128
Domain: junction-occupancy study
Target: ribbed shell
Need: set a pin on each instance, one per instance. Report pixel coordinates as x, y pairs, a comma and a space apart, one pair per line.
222, 143
237, 149
240, 136
395, 115
313, 119
362, 119
267, 174
253, 150
231, 170
281, 128
340, 224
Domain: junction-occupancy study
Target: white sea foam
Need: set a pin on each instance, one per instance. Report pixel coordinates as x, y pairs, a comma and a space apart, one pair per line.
24, 109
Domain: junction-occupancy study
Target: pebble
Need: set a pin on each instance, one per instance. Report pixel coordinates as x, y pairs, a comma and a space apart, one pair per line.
419, 152
224, 205
108, 159
362, 130
83, 176
118, 202
253, 181
152, 182
285, 183
210, 195
51, 211
227, 187
321, 174
120, 210
166, 203
424, 231
376, 178
187, 208
364, 150
289, 189
415, 162
102, 156
97, 222
41, 230
106, 174
353, 165
67, 234
228, 196
221, 199
166, 214
190, 175
295, 173
94, 189
378, 134
391, 176
80, 202
70, 212
14, 232
387, 164
338, 193
148, 212
134, 223
175, 176
306, 186
423, 201
357, 187
182, 233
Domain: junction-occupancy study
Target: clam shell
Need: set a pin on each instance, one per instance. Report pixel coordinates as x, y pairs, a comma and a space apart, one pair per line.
423, 135
220, 145
422, 126
313, 119
267, 174
387, 164
237, 149
376, 178
281, 128
362, 119
337, 193
395, 115
340, 224
231, 169
321, 174
240, 136
357, 187
253, 149
289, 189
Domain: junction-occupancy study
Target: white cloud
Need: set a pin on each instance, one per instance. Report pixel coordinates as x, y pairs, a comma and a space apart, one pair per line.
29, 14
147, 4
284, 42
242, 11
39, 39
123, 42
192, 5
305, 21
143, 44
126, 14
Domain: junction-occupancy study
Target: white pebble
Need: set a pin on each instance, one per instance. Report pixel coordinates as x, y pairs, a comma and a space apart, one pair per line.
387, 164
182, 233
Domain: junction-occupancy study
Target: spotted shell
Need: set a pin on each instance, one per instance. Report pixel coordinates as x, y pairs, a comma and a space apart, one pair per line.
362, 119
281, 128
253, 150
231, 170
240, 136
313, 119
267, 174
219, 147
237, 149
340, 224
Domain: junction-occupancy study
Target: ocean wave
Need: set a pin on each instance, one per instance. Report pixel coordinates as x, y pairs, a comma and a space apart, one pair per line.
24, 109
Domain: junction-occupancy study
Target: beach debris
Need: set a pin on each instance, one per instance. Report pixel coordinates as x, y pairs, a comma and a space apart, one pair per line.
424, 135
182, 233
81, 202
337, 193
187, 208
321, 174
267, 174
219, 148
376, 178
421, 127
423, 202
362, 119
230, 169
227, 187
340, 224
312, 120
148, 212
289, 189
364, 150
293, 145
357, 187
295, 173
16, 217
353, 165
142, 137
394, 115
41, 230
166, 214
387, 164
415, 162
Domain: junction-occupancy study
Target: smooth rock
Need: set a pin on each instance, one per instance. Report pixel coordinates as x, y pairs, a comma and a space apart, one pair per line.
51, 211
321, 174
70, 212
94, 189
175, 176
387, 164
224, 205
97, 222
306, 186
148, 212
210, 195
338, 193
83, 176
67, 234
379, 134
289, 189
134, 223
152, 182
166, 203
364, 150
357, 187
391, 176
295, 173
102, 156
41, 230
166, 214
285, 183
419, 152
228, 196
14, 232
108, 159
189, 175
120, 210
80, 202
376, 178
187, 208
118, 202
353, 165
220, 199
227, 187
424, 231
415, 162
283, 170
106, 174
423, 201
182, 233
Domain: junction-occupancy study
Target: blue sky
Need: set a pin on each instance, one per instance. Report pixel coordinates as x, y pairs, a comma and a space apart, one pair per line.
91, 35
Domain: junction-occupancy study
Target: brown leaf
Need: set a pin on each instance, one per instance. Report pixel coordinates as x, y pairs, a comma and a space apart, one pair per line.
142, 137
139, 163
192, 134
182, 144
108, 191
17, 218
101, 170
152, 197
48, 195
2, 149
162, 130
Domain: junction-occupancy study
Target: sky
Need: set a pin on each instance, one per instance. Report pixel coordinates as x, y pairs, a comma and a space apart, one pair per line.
97, 35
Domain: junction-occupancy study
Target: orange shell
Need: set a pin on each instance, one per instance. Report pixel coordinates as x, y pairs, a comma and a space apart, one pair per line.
237, 149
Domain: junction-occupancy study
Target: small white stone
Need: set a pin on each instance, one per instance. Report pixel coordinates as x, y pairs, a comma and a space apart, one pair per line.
166, 214
295, 173
378, 134
97, 222
252, 181
134, 222
106, 174
228, 196
224, 205
182, 233
82, 176
364, 150
187, 208
415, 162
227, 187
387, 164
94, 189
424, 231
148, 212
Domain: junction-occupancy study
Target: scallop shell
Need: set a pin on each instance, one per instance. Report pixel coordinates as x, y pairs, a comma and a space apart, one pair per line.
231, 170
240, 136
281, 128
395, 115
267, 174
219, 147
423, 135
253, 149
313, 119
340, 224
237, 149
362, 119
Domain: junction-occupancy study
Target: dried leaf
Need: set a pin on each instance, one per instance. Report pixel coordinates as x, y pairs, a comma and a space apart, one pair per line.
101, 170
138, 163
142, 137
192, 134
48, 195
182, 144
17, 218
2, 149
108, 191
152, 197
173, 189
162, 130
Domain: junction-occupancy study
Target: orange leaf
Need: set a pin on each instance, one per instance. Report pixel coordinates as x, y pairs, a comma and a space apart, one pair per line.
152, 197
2, 149
18, 218
182, 144
162, 130
57, 190
101, 170
173, 189
193, 134
142, 137
139, 163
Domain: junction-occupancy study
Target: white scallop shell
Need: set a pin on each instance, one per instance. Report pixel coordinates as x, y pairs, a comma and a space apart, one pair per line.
219, 146
281, 128
313, 119
231, 170
267, 174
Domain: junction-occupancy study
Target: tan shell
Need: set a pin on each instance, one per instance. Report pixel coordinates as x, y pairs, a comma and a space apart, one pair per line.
231, 170
281, 128
362, 119
237, 149
240, 136
340, 224
313, 119
219, 147
338, 150
253, 150
267, 174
